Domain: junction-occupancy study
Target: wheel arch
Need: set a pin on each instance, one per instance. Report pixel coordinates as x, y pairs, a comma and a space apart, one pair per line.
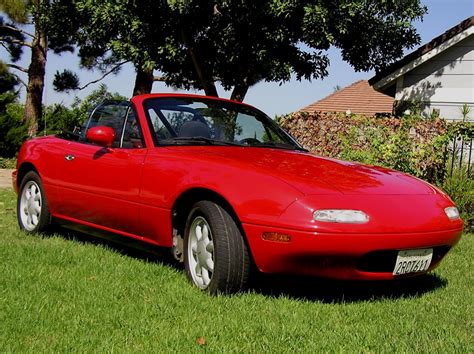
185, 201
23, 170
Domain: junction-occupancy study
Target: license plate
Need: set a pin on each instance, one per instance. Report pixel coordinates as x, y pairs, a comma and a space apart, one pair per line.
413, 261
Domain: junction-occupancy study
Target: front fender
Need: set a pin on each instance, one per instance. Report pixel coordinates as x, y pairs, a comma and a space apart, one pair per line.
256, 197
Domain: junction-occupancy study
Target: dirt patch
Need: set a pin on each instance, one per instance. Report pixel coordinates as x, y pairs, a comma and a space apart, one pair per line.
6, 178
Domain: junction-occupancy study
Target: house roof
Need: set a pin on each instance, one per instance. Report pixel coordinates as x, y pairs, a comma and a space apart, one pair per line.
410, 61
359, 98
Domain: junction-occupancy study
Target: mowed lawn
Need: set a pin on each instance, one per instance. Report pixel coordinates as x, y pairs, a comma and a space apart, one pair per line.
63, 293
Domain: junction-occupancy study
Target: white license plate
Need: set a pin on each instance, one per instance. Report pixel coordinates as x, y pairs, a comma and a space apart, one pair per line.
413, 261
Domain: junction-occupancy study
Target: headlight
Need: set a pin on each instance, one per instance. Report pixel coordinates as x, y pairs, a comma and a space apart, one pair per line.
452, 213
341, 216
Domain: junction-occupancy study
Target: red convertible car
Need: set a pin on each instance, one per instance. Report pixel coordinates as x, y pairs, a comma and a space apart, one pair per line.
222, 186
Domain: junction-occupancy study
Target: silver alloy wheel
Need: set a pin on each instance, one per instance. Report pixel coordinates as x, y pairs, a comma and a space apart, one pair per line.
201, 252
30, 205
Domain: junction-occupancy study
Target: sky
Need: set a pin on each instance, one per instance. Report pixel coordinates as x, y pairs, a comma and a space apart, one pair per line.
272, 98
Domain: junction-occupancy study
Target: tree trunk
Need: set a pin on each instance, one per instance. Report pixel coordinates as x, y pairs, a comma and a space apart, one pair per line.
239, 92
143, 81
207, 83
36, 74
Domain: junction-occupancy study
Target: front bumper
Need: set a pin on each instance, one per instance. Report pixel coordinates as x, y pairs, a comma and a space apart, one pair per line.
342, 255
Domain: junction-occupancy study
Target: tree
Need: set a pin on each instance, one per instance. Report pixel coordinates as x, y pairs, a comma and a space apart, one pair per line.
12, 34
108, 34
12, 131
99, 95
58, 117
196, 44
239, 43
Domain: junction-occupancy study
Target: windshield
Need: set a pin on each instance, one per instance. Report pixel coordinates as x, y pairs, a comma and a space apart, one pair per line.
193, 121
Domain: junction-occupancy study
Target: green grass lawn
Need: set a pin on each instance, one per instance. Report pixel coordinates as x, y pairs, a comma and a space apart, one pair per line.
63, 293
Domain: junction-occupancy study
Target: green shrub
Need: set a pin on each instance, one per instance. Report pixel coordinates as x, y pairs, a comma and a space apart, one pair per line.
12, 131
7, 162
460, 187
57, 118
409, 144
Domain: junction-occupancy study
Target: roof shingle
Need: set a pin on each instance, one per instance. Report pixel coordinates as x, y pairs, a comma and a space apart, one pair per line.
359, 98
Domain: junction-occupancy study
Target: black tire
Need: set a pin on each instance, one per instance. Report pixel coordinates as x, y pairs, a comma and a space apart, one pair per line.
229, 254
32, 210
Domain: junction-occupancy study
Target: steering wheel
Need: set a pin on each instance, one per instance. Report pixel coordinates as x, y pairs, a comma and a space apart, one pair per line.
250, 141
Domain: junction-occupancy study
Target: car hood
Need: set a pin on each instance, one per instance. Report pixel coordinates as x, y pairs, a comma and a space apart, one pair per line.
311, 174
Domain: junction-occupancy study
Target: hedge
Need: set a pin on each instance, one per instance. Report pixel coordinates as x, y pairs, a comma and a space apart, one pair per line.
410, 144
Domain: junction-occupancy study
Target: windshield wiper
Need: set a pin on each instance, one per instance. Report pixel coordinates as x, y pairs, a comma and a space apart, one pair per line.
195, 139
278, 145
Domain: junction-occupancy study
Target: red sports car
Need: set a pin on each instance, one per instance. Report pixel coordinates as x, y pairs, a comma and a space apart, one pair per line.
222, 186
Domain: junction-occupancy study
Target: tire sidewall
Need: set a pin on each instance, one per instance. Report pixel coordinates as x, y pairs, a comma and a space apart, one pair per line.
230, 255
45, 218
200, 209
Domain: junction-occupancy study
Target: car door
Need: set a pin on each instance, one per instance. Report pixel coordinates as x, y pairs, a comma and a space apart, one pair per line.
100, 186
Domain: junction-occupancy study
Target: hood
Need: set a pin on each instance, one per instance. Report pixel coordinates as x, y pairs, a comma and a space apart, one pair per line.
311, 174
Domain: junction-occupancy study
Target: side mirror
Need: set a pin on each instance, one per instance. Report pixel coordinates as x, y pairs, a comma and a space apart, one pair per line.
101, 135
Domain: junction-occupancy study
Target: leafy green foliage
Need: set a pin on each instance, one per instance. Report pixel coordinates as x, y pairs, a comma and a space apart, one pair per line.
15, 36
459, 183
241, 43
460, 187
12, 39
465, 112
462, 128
101, 94
18, 10
56, 117
65, 81
197, 43
411, 144
13, 132
8, 162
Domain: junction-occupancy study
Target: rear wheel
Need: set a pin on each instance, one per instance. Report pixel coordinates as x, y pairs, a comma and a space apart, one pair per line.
215, 254
32, 206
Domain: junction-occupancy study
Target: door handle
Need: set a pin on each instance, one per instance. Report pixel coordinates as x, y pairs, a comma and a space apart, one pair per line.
69, 157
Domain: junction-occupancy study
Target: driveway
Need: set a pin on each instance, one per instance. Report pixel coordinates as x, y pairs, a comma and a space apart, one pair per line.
5, 178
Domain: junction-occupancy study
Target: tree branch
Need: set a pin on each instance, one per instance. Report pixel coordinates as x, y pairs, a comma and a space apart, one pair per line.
206, 82
111, 71
17, 67
15, 41
17, 30
159, 78
6, 48
17, 78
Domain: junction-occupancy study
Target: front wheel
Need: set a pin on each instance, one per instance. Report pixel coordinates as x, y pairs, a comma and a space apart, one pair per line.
32, 206
215, 254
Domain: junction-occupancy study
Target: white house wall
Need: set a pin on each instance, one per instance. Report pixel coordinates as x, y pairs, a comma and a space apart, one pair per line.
444, 82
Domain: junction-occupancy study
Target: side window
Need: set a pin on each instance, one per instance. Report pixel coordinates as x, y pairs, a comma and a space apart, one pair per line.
132, 137
109, 114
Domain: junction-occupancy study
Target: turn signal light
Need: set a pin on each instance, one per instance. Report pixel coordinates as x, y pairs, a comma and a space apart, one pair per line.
276, 236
